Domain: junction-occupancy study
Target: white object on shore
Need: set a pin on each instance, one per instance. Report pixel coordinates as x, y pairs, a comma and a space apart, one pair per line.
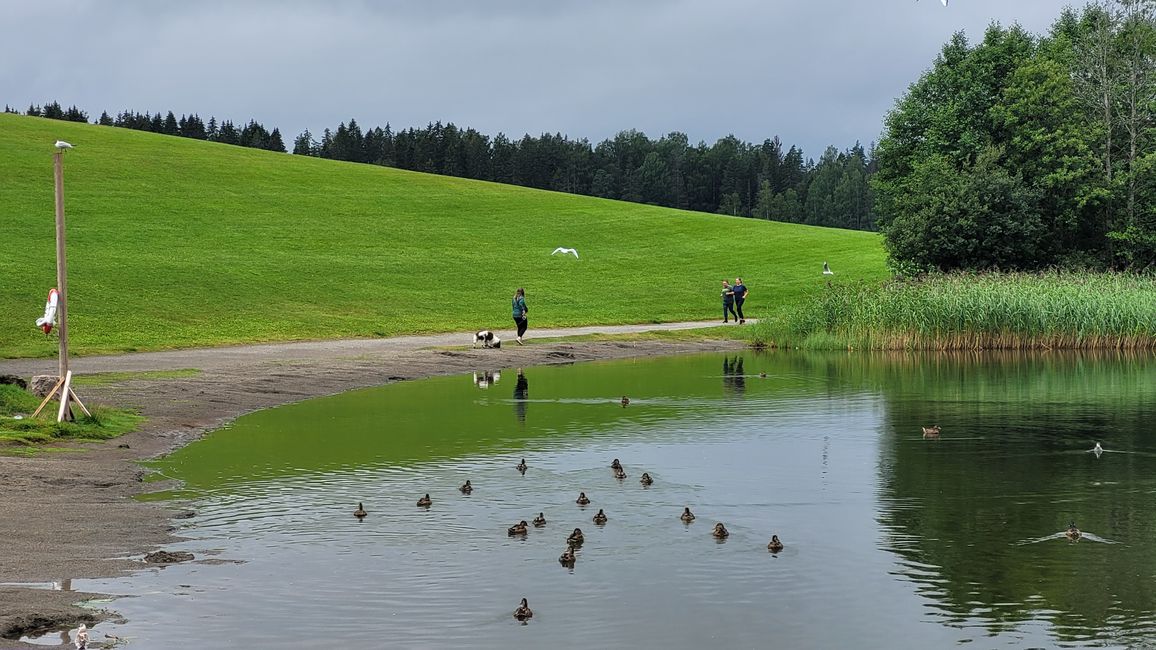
61, 144
81, 641
565, 251
827, 270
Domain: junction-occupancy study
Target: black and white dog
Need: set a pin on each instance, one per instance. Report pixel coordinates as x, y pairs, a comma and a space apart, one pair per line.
488, 339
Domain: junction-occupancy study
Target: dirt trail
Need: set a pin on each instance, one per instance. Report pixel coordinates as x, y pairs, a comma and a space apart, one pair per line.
71, 515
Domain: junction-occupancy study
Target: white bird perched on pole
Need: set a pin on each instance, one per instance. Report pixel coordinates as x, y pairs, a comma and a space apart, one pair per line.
62, 145
827, 270
564, 251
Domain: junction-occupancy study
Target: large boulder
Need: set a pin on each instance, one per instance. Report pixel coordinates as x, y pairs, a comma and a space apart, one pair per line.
14, 381
41, 384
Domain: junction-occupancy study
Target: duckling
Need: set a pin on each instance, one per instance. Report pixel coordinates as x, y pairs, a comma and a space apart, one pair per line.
600, 518
582, 500
720, 531
931, 432
523, 613
576, 538
687, 515
466, 488
567, 557
1073, 533
360, 512
646, 480
425, 501
625, 401
775, 546
620, 474
540, 520
615, 464
520, 528
521, 467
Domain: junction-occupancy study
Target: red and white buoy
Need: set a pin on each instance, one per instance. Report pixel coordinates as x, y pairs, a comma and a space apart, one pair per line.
48, 321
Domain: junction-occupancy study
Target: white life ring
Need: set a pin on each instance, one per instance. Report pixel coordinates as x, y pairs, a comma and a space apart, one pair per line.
49, 320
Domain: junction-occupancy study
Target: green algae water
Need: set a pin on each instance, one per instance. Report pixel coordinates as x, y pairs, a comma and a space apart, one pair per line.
891, 539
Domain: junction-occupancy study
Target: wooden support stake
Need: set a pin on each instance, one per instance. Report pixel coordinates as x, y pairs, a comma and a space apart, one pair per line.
79, 403
48, 397
64, 396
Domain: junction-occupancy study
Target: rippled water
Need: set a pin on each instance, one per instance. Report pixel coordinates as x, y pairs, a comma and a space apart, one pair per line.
892, 540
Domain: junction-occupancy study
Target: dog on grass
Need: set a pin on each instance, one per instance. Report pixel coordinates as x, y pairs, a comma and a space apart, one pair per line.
488, 339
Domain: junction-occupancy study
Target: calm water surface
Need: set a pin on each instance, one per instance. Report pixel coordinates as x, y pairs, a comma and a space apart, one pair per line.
891, 540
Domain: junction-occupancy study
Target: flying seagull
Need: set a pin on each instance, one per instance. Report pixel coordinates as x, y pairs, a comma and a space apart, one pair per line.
61, 144
565, 251
827, 270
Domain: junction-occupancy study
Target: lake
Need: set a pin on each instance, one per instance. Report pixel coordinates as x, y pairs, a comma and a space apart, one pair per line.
891, 539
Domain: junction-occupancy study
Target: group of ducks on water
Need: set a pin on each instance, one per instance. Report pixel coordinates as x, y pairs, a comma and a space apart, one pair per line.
576, 538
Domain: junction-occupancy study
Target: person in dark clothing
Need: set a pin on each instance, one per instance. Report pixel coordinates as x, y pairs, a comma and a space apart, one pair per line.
728, 298
520, 310
740, 291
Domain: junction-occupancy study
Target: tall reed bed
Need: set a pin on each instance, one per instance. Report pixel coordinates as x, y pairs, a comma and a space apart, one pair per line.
992, 311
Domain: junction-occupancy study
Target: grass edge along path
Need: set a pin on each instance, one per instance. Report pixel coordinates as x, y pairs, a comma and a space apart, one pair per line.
990, 311
18, 428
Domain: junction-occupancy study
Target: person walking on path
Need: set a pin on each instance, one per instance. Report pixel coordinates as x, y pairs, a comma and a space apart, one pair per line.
740, 291
728, 298
520, 312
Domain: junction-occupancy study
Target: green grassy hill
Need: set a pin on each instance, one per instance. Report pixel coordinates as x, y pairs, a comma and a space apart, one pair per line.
181, 243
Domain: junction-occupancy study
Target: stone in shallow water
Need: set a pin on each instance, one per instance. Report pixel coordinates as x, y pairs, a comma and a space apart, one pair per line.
167, 557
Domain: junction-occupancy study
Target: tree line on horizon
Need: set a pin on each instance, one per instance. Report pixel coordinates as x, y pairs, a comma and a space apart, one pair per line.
733, 177
1028, 151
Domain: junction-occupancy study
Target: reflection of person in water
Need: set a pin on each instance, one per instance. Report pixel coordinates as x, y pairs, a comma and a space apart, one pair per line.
521, 389
734, 377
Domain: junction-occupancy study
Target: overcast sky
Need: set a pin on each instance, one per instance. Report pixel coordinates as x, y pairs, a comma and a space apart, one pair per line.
814, 72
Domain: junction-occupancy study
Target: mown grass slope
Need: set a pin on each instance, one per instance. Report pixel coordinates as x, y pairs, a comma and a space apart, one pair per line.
181, 243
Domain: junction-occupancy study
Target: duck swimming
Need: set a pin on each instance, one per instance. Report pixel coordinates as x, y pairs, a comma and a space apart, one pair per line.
720, 531
646, 480
625, 401
425, 501
620, 474
540, 520
1073, 533
775, 546
687, 515
521, 467
582, 500
567, 557
466, 488
601, 517
360, 512
1097, 450
576, 538
523, 613
615, 464
931, 432
520, 528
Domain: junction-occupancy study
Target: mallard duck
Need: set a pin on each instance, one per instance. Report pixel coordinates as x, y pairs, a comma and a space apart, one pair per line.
646, 480
576, 538
360, 512
687, 515
720, 531
523, 613
567, 557
582, 500
466, 488
520, 528
625, 401
931, 432
762, 375
425, 501
521, 467
600, 518
540, 520
775, 545
81, 641
1073, 533
615, 464
620, 474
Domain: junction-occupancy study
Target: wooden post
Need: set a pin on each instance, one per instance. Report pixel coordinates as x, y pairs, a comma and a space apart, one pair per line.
61, 265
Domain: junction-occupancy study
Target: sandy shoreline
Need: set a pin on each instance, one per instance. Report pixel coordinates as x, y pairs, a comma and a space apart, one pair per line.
71, 514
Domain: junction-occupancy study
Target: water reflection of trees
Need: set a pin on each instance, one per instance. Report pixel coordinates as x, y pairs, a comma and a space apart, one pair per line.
1010, 468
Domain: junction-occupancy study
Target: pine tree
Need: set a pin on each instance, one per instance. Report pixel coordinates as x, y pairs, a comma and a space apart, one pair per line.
105, 119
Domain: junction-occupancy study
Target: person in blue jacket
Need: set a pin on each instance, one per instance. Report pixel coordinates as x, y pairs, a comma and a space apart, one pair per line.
520, 310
